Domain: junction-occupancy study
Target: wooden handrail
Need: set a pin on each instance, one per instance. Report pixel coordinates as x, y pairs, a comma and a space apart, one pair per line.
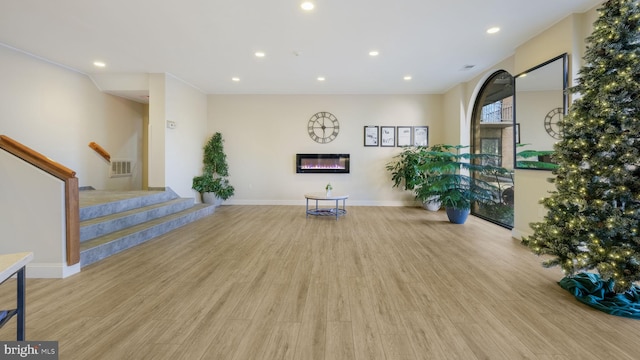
72, 196
35, 158
100, 150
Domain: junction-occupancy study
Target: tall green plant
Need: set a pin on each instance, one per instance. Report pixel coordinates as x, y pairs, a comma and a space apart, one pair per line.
405, 169
214, 159
459, 178
215, 170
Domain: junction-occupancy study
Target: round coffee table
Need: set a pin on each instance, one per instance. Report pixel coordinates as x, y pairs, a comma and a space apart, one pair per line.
334, 211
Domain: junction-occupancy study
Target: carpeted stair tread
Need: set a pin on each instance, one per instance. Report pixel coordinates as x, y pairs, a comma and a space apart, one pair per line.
123, 214
133, 229
97, 197
104, 246
91, 229
94, 205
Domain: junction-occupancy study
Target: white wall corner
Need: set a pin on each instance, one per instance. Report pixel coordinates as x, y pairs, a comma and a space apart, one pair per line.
132, 86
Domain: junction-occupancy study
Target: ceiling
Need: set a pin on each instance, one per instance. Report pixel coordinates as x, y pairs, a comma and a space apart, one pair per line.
208, 42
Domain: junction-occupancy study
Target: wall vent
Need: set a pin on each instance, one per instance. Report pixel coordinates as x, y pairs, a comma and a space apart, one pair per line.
121, 168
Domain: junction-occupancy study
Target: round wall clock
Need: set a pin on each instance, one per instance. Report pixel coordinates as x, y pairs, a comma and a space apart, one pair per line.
323, 127
551, 123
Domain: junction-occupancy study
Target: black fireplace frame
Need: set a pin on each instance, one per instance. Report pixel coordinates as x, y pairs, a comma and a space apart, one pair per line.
345, 169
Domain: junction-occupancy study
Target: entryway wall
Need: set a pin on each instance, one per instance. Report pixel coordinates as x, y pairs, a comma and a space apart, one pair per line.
263, 133
566, 36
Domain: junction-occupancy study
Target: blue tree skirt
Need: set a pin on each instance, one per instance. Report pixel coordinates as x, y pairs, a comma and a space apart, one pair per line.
592, 290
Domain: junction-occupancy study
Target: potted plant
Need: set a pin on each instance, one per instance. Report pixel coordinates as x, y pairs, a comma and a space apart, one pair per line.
328, 188
213, 184
407, 173
448, 175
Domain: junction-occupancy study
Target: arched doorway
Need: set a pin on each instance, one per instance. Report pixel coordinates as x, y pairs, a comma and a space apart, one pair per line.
492, 131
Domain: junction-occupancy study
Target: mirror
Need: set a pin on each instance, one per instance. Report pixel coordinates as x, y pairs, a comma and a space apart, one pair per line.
540, 103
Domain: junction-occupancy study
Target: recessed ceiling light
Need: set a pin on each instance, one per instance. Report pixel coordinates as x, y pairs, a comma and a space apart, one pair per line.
99, 64
407, 78
307, 5
236, 79
321, 78
493, 30
259, 54
374, 53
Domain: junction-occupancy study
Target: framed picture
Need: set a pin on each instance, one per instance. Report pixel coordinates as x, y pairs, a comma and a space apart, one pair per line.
370, 136
421, 136
517, 130
491, 146
388, 136
404, 136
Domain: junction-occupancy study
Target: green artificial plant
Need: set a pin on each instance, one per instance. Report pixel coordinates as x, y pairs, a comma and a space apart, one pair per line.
216, 170
448, 175
442, 173
530, 159
405, 169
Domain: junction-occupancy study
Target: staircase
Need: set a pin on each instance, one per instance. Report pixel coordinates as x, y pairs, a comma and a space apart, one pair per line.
111, 222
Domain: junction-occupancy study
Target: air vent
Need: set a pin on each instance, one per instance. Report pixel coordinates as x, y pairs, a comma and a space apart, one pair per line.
121, 168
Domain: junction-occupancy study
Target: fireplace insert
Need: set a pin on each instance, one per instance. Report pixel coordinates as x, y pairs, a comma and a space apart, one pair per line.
322, 163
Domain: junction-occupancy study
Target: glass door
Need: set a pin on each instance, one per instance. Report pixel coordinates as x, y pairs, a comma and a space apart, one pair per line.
492, 132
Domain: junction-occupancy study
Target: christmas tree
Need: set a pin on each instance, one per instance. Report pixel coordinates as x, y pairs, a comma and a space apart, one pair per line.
593, 219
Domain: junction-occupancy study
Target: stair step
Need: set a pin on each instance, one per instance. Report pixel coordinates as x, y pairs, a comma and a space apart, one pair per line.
122, 202
99, 226
115, 242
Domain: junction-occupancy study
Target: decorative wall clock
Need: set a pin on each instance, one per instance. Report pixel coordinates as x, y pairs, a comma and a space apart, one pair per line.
323, 127
551, 123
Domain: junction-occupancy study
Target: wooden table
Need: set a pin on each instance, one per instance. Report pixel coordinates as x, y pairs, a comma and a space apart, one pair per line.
334, 211
14, 264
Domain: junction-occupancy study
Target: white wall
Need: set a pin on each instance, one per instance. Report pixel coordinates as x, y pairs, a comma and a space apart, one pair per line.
175, 154
263, 133
58, 112
32, 217
157, 130
455, 116
187, 107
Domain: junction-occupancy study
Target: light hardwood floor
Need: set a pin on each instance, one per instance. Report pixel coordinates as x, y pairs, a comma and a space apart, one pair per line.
264, 282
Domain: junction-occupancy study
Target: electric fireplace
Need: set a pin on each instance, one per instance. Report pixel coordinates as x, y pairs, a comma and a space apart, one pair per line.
322, 163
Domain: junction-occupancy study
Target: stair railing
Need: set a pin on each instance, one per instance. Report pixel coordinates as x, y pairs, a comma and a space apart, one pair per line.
72, 197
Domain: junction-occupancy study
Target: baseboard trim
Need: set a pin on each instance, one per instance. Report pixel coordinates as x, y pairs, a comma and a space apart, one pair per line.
51, 270
519, 234
157, 188
302, 202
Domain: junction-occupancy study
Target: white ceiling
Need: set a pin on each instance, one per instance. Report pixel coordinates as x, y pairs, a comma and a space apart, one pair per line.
207, 42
